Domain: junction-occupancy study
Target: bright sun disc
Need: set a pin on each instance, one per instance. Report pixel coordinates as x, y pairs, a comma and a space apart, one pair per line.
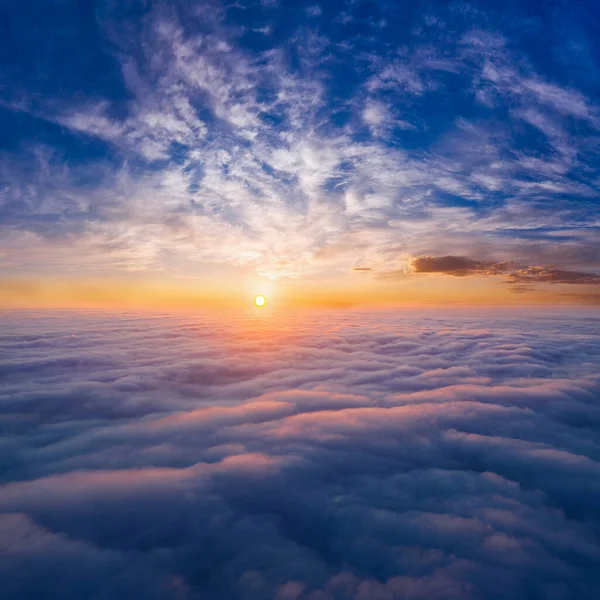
260, 301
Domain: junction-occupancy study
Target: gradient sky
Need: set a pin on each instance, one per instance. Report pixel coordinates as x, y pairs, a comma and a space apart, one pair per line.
337, 152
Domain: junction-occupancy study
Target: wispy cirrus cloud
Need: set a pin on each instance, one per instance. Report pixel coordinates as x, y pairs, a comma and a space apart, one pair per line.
226, 145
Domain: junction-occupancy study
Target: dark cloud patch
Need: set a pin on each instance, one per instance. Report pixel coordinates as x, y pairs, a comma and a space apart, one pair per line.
304, 456
543, 274
522, 289
522, 276
453, 265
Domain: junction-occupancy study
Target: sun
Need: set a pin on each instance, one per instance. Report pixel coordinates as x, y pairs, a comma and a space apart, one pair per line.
260, 301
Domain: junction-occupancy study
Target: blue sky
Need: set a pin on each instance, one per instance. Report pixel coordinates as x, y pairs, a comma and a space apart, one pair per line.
197, 140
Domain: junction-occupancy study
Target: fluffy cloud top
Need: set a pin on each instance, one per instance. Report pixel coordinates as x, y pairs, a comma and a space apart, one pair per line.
300, 457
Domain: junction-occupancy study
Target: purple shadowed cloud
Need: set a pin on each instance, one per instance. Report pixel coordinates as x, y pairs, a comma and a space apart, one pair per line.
386, 457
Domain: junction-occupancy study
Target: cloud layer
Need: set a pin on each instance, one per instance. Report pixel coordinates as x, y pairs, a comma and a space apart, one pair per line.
300, 456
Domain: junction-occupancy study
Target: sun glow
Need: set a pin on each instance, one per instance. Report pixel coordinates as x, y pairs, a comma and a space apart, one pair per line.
260, 301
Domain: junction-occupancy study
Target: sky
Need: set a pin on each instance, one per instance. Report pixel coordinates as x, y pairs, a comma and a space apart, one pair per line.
377, 455
342, 153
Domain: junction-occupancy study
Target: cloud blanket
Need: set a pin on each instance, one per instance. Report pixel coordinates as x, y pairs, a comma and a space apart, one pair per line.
307, 456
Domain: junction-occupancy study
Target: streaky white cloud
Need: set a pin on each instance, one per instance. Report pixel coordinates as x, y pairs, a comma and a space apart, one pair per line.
245, 164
